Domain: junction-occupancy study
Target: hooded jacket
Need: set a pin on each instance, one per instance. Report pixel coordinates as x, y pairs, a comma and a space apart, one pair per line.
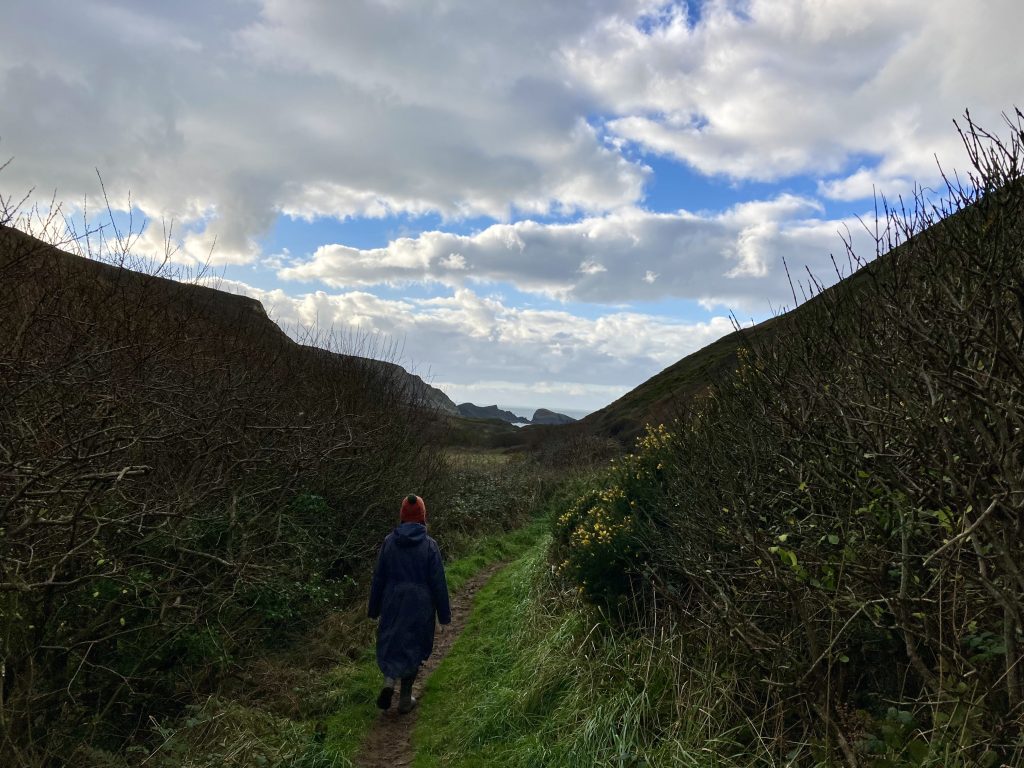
409, 590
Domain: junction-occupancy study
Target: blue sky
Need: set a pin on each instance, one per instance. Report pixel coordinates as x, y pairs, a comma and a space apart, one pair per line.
538, 204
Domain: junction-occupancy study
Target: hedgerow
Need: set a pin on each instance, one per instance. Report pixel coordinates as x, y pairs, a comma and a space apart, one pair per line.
836, 526
181, 485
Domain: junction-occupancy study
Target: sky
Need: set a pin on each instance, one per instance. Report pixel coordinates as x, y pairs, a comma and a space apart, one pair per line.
535, 204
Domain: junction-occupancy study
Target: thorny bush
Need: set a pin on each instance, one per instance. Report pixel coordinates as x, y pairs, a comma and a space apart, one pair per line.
177, 479
838, 528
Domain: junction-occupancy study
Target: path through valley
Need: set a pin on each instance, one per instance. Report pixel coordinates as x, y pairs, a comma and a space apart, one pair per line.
389, 742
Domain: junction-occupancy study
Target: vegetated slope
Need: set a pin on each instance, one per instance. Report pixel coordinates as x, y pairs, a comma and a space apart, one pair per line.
179, 481
37, 269
482, 433
830, 533
659, 398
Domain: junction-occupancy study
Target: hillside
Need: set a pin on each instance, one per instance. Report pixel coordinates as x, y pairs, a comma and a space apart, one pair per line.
657, 399
653, 401
35, 270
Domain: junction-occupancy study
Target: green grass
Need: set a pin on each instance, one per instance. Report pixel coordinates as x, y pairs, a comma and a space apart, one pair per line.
493, 549
478, 667
535, 679
358, 682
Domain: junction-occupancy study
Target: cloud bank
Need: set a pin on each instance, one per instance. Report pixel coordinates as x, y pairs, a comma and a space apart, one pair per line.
226, 115
768, 89
549, 124
557, 358
729, 259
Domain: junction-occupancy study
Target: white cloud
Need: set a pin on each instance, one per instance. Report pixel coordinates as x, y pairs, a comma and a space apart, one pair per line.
865, 183
454, 261
477, 344
227, 114
591, 267
222, 116
732, 258
772, 88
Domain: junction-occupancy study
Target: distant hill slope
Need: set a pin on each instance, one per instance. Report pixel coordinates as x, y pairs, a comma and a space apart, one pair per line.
654, 400
432, 395
239, 321
657, 399
482, 433
486, 412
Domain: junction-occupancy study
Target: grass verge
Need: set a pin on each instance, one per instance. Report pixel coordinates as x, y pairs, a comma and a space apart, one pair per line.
537, 679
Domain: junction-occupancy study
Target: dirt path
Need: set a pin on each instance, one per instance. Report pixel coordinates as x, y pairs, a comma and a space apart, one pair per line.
389, 743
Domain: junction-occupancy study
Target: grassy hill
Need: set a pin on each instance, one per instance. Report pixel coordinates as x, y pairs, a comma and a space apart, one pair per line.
660, 398
655, 400
107, 293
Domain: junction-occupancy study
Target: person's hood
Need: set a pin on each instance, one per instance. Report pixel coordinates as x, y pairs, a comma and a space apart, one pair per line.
410, 534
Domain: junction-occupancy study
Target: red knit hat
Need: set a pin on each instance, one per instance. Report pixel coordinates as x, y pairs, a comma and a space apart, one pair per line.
413, 509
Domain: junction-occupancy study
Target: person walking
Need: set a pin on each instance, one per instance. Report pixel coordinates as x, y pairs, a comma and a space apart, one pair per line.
408, 592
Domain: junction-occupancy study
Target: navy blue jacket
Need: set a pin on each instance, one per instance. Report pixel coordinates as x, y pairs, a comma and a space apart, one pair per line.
409, 589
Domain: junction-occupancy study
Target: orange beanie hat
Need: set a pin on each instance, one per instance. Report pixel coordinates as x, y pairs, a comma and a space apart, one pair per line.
413, 509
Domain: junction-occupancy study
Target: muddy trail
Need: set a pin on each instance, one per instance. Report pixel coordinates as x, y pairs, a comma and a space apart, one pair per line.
389, 742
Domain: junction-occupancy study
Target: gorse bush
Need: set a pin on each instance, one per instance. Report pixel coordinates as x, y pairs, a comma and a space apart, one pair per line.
594, 530
837, 525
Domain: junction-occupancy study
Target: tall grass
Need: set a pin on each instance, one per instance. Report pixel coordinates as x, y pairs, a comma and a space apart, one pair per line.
539, 678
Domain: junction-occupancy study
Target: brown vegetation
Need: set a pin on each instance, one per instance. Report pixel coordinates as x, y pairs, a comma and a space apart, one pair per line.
178, 482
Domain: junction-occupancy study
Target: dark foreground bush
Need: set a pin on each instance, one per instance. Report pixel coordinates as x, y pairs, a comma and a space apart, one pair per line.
835, 531
179, 483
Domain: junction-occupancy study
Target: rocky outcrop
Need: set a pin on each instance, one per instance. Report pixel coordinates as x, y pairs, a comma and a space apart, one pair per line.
544, 416
419, 391
541, 415
470, 411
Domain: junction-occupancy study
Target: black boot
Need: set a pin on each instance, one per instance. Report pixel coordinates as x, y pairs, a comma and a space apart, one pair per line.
384, 698
406, 702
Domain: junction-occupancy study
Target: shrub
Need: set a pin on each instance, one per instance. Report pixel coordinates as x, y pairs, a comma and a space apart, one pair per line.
178, 480
593, 535
836, 524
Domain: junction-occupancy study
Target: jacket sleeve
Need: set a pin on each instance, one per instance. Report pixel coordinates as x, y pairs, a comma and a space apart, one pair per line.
380, 578
439, 586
